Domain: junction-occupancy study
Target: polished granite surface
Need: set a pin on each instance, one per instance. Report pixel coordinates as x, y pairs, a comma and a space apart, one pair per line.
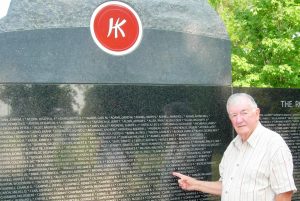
109, 142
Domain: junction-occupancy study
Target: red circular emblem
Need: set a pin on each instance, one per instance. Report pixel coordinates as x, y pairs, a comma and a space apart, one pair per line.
116, 28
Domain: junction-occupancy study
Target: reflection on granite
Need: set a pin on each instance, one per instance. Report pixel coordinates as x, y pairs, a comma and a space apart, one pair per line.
109, 142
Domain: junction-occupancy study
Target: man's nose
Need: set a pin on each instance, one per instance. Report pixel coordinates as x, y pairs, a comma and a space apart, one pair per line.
238, 119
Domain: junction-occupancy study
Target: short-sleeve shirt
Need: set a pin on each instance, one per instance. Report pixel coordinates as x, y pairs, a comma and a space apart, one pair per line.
257, 169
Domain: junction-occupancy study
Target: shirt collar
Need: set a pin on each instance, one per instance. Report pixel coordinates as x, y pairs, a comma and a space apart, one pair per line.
252, 140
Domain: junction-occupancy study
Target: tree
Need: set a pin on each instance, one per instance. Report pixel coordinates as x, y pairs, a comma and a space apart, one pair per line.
38, 100
265, 38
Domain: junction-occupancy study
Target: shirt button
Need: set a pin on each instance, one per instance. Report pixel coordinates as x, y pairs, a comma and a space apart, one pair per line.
226, 192
231, 178
237, 165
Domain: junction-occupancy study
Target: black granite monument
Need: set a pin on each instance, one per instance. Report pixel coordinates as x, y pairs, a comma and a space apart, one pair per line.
78, 123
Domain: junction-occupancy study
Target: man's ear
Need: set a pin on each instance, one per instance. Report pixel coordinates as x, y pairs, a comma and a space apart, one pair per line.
257, 112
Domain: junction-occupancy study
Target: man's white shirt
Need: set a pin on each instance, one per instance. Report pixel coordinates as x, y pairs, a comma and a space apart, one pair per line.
257, 169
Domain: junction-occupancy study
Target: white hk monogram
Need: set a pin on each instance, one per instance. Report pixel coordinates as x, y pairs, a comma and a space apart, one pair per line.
116, 27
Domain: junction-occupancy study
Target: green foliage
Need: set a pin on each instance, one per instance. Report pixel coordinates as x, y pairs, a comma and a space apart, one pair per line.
265, 36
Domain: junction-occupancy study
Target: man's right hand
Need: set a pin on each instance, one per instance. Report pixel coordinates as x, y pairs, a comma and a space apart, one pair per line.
190, 184
185, 182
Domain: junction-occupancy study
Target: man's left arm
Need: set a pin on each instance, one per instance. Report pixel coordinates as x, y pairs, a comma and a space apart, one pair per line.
287, 196
281, 177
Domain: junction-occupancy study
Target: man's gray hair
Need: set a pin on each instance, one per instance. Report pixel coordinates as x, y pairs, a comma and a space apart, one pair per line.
235, 98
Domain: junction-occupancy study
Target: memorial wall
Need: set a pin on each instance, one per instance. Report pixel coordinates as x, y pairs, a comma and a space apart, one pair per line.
80, 123
115, 142
122, 144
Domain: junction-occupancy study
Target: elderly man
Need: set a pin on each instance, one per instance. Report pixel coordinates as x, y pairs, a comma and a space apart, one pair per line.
257, 165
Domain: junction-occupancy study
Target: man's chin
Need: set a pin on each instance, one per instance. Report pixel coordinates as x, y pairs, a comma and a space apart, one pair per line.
242, 131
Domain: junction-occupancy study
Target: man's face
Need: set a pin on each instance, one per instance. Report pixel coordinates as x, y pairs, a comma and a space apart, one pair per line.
243, 117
